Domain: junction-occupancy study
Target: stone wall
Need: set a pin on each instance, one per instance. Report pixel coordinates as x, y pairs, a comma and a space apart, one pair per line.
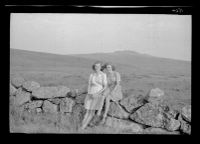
62, 108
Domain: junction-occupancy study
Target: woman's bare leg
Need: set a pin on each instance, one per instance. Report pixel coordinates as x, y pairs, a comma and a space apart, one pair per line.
87, 120
106, 108
100, 110
85, 117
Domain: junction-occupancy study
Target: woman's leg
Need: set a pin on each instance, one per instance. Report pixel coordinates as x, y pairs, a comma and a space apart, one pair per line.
106, 108
89, 117
102, 103
85, 117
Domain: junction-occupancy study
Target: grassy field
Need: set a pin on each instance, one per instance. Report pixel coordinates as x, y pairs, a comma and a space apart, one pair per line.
139, 74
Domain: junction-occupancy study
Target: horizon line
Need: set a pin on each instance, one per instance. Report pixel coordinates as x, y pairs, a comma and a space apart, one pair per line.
72, 54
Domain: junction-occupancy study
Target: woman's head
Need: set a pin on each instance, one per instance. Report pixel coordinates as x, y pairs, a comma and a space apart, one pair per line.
109, 67
97, 66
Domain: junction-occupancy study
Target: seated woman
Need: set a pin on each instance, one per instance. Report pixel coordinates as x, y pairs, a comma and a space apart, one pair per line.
113, 91
94, 99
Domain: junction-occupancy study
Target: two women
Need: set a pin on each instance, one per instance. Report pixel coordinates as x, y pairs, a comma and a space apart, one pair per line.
102, 86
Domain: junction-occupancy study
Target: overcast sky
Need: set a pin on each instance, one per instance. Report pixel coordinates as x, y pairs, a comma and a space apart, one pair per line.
159, 35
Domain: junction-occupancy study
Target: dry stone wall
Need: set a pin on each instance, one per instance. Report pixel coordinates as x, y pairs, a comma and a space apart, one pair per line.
63, 108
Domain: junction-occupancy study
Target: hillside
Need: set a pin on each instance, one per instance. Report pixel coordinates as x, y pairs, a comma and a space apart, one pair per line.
139, 74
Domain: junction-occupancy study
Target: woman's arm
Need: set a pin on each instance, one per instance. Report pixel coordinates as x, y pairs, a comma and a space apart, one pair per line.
104, 79
118, 79
89, 83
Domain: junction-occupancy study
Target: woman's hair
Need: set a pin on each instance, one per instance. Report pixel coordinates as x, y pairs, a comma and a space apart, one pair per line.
97, 62
105, 65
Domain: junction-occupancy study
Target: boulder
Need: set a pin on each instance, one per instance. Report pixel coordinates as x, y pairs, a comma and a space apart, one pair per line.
21, 97
48, 107
155, 95
150, 115
62, 91
123, 125
152, 130
13, 90
115, 110
30, 85
73, 93
173, 113
78, 113
50, 92
44, 92
186, 113
82, 90
185, 126
17, 81
55, 100
66, 105
132, 102
34, 104
80, 99
173, 125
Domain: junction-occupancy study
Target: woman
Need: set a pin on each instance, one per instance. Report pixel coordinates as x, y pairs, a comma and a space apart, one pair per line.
113, 91
94, 100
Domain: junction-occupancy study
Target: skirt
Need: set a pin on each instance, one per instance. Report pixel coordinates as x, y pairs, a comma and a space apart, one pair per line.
94, 103
115, 95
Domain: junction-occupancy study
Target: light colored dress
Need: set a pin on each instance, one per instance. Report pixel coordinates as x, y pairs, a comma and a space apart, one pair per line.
96, 83
114, 94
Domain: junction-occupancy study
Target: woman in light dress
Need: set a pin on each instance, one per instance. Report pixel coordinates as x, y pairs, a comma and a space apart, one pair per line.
113, 90
95, 98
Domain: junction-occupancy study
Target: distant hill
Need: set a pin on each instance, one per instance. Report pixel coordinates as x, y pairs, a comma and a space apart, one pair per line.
125, 61
142, 62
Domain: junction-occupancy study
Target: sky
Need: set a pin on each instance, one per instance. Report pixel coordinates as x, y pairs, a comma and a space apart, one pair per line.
160, 35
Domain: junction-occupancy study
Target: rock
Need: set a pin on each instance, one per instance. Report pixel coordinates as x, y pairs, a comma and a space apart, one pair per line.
45, 92
77, 92
30, 85
17, 81
123, 125
34, 104
49, 107
82, 90
73, 93
13, 90
155, 95
150, 115
66, 105
38, 110
156, 92
80, 99
67, 122
152, 130
21, 97
186, 113
185, 126
117, 111
173, 125
62, 91
131, 103
55, 100
78, 113
173, 114
50, 92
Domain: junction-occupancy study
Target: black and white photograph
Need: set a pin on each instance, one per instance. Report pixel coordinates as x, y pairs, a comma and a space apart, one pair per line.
100, 73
